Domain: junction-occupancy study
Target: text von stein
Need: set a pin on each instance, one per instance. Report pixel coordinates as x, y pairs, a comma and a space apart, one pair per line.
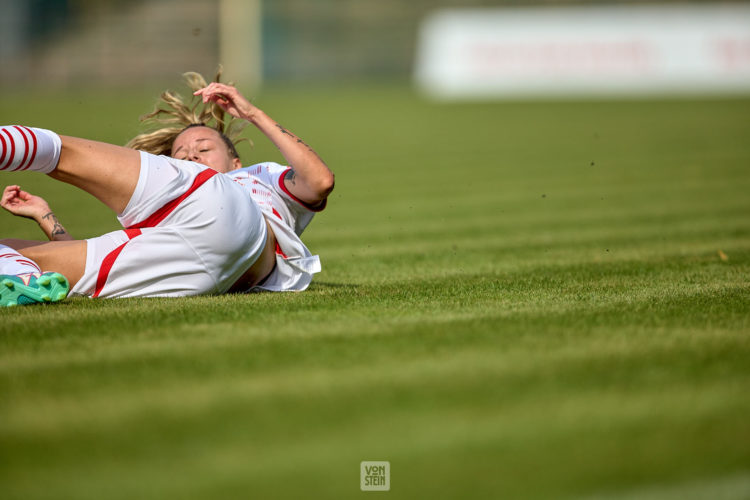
375, 476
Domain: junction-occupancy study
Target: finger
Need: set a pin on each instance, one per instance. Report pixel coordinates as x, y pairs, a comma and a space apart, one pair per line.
208, 94
207, 90
9, 193
7, 201
220, 99
218, 88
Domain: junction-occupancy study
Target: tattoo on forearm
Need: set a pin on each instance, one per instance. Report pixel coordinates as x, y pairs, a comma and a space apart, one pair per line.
57, 228
299, 141
283, 130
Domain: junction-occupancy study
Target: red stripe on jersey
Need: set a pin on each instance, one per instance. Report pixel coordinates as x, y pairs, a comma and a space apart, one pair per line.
33, 151
25, 148
109, 261
168, 208
283, 187
279, 251
12, 150
277, 214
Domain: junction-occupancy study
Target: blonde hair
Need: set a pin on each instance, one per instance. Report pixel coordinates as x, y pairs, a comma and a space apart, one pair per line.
172, 114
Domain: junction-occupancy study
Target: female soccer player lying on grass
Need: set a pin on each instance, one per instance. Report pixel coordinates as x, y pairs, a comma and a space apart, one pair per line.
189, 229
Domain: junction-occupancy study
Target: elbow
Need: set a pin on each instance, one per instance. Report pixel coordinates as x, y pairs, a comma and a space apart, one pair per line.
330, 182
325, 185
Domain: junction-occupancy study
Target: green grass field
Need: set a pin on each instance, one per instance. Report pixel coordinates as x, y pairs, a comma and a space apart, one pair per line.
519, 300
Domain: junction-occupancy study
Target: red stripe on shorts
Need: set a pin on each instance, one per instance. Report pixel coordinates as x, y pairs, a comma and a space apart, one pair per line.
168, 208
109, 261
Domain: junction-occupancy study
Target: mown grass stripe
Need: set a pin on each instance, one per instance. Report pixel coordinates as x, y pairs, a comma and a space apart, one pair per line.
497, 316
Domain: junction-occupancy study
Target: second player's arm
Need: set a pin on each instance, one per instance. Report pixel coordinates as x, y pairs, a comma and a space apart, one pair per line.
29, 206
52, 228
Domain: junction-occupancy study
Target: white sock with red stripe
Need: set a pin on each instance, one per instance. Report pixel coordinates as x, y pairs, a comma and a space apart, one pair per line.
27, 148
12, 262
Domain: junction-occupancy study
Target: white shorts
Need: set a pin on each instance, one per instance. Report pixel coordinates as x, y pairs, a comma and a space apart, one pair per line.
189, 231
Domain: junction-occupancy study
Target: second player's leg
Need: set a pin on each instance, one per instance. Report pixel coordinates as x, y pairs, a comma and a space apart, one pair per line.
65, 257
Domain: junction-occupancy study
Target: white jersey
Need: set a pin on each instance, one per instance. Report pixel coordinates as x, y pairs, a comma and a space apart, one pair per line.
288, 216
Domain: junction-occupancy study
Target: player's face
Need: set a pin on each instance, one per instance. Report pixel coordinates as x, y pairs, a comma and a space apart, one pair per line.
204, 145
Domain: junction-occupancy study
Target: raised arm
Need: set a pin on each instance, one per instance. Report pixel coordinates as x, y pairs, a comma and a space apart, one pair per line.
310, 179
24, 204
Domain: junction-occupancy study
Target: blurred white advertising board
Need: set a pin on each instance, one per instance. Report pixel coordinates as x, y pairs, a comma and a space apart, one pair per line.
585, 51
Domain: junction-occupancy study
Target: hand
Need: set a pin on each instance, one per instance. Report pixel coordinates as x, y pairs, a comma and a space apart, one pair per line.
24, 204
229, 99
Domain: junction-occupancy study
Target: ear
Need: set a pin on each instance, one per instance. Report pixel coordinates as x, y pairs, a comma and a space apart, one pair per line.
236, 163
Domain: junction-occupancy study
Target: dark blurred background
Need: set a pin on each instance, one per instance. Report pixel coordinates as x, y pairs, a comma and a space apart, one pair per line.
52, 43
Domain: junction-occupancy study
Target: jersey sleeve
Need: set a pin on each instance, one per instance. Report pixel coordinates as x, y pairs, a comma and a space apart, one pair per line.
297, 213
277, 174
